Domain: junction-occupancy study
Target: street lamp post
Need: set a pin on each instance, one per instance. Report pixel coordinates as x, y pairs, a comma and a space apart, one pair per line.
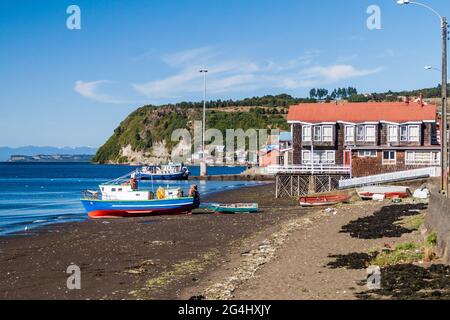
203, 170
444, 124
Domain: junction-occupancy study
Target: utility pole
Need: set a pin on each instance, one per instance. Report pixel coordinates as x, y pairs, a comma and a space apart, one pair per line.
444, 124
203, 168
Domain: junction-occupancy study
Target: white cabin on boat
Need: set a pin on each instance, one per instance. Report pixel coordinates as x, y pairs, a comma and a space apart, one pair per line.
126, 193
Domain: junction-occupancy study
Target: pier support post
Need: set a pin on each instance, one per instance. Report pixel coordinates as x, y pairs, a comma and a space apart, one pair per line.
203, 169
312, 184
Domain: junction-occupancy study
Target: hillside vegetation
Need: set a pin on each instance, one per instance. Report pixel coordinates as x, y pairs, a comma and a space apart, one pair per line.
149, 129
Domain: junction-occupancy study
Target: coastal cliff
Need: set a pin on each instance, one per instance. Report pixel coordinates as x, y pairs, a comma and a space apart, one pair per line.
145, 135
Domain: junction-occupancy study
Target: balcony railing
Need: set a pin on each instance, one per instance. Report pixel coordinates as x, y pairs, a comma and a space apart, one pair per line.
310, 169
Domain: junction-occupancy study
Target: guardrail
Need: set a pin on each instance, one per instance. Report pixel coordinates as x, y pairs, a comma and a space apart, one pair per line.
390, 177
311, 169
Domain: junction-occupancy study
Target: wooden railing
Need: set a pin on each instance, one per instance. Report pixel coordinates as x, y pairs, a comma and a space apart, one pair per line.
309, 169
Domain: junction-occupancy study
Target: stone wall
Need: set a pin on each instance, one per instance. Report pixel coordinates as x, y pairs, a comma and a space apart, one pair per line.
438, 220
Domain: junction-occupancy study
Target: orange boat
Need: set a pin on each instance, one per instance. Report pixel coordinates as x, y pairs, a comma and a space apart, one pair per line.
323, 200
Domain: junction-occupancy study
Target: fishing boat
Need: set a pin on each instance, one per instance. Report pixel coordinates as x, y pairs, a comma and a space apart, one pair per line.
124, 199
164, 172
235, 208
323, 200
388, 192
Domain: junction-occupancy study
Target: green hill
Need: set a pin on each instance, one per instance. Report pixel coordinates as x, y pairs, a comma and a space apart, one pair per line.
146, 133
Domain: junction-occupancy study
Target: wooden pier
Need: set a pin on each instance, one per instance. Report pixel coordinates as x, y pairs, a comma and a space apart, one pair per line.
296, 181
296, 185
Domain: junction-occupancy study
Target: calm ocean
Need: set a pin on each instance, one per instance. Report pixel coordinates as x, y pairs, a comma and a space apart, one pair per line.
36, 194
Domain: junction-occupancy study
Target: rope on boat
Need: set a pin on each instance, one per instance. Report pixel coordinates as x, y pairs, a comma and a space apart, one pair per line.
122, 178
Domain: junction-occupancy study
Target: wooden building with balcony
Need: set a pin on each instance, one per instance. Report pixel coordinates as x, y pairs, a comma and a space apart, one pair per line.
371, 138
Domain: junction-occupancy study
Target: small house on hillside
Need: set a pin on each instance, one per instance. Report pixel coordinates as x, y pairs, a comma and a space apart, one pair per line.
372, 138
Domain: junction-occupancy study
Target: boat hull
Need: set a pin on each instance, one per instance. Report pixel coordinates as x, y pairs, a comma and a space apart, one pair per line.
388, 192
128, 209
231, 210
323, 200
159, 177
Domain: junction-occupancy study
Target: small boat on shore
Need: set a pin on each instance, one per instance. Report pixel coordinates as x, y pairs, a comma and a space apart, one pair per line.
388, 192
323, 200
165, 172
121, 200
235, 208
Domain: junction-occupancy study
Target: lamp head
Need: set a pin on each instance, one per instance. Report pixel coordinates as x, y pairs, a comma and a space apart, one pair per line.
402, 2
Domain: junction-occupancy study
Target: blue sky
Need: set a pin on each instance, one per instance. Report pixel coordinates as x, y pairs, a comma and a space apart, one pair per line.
65, 87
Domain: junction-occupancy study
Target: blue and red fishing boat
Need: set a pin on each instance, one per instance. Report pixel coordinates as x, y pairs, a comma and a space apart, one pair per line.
118, 200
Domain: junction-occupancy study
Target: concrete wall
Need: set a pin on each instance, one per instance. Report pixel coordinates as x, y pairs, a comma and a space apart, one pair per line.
438, 220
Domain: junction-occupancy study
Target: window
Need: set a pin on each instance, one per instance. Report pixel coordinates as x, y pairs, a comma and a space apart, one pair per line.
306, 156
413, 133
317, 133
327, 134
403, 133
113, 190
370, 134
367, 154
320, 157
119, 190
306, 133
349, 133
392, 133
423, 158
389, 157
360, 133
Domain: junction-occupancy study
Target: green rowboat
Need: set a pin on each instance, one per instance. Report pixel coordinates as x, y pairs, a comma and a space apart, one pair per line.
235, 208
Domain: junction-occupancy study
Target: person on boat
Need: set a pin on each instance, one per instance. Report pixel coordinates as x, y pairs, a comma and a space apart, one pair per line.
133, 182
193, 193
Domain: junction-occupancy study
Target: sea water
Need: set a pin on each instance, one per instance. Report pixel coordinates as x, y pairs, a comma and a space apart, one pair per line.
33, 195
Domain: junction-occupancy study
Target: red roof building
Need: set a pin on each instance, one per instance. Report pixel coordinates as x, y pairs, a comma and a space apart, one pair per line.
372, 138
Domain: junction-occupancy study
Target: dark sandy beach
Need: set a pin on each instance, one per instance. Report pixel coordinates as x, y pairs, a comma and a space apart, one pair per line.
285, 252
147, 258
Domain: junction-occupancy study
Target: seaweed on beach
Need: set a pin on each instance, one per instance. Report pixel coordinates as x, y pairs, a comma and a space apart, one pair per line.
411, 282
383, 223
355, 261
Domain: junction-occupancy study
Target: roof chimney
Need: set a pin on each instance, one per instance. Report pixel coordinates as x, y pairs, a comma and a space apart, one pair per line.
421, 100
407, 100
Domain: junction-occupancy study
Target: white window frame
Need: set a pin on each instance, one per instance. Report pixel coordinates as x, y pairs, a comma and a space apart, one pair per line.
327, 138
435, 158
392, 138
404, 138
305, 130
367, 153
314, 133
416, 139
324, 157
303, 157
366, 135
349, 137
358, 127
389, 161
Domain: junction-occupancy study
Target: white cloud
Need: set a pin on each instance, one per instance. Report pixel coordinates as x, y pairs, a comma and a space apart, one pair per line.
228, 75
90, 90
338, 72
189, 56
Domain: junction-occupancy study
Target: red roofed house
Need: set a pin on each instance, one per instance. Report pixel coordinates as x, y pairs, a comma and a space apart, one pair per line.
373, 138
